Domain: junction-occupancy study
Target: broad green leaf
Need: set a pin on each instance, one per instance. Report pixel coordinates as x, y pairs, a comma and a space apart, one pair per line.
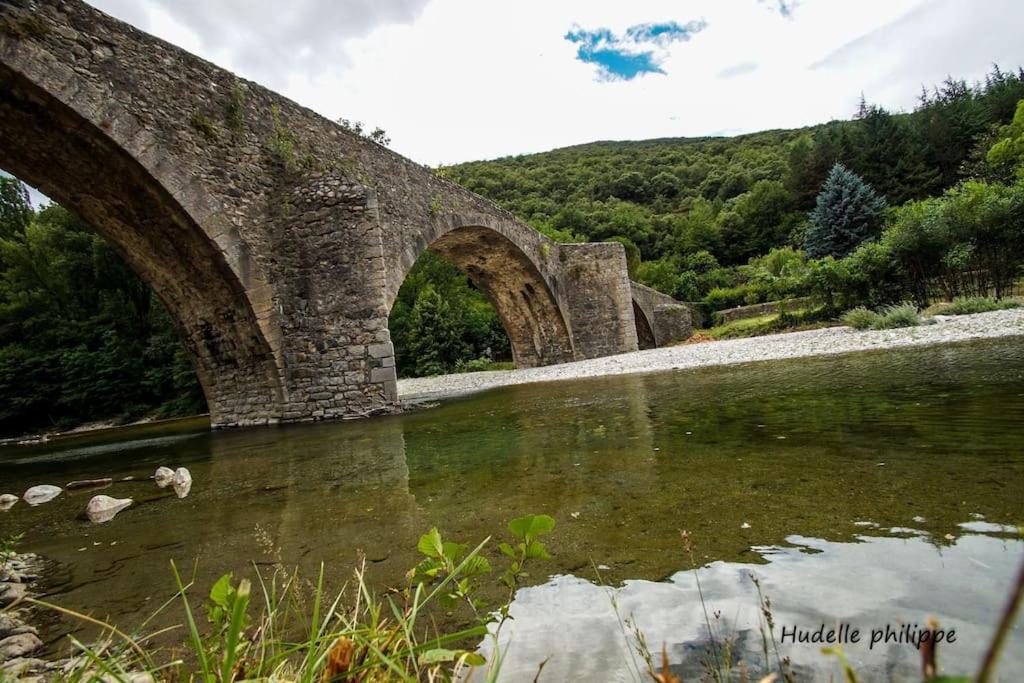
536, 549
531, 526
506, 549
453, 552
430, 543
476, 565
221, 590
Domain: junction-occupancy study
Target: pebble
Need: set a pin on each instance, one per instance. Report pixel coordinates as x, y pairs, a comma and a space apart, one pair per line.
44, 493
104, 508
182, 482
163, 476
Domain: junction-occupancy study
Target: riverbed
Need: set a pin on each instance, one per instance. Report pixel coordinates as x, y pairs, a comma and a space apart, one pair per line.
821, 342
873, 489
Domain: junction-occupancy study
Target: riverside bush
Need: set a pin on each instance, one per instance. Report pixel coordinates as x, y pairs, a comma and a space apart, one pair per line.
860, 318
976, 304
897, 315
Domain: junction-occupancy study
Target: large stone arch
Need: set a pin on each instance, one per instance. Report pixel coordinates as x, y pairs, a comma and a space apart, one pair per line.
504, 261
63, 136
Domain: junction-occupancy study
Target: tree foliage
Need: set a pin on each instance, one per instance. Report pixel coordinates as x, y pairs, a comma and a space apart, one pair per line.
848, 211
81, 337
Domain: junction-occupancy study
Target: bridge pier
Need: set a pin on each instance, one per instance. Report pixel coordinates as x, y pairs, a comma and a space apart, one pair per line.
596, 291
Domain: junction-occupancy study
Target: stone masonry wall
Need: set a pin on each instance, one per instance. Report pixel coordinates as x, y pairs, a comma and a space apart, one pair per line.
596, 289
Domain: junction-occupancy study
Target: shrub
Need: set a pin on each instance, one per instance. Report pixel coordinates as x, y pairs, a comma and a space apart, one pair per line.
721, 298
860, 318
977, 304
898, 315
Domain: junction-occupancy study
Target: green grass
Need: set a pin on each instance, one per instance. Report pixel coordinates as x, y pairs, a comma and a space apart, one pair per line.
897, 315
279, 627
860, 318
787, 321
301, 635
977, 304
483, 365
890, 317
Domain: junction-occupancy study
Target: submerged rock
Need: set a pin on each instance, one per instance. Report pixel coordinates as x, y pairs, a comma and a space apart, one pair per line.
7, 501
182, 482
103, 508
37, 495
163, 476
88, 483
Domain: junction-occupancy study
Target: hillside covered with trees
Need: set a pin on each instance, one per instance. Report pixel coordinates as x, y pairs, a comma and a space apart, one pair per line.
883, 208
694, 212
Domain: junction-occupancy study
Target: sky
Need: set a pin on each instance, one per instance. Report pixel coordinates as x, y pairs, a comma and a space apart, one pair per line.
459, 80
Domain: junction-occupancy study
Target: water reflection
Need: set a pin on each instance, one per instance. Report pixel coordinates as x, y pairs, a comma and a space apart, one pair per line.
869, 584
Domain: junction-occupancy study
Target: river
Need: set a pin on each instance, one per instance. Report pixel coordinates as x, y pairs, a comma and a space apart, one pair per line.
869, 489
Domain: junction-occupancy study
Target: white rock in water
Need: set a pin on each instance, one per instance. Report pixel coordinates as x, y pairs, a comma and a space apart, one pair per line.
182, 482
37, 495
103, 508
7, 501
163, 476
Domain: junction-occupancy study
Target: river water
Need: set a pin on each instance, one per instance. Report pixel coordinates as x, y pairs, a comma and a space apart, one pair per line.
873, 489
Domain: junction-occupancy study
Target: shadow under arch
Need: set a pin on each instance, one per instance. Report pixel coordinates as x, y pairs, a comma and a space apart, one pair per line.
140, 207
644, 332
490, 254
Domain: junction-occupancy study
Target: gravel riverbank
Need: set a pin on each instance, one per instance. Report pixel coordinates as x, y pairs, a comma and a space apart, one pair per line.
822, 342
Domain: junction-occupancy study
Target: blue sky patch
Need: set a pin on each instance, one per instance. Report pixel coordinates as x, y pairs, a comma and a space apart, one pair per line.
640, 50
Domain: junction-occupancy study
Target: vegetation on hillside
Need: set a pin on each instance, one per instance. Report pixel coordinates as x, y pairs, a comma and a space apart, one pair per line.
704, 212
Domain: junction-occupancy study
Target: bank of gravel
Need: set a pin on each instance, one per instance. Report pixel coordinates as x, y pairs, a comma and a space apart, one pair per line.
821, 342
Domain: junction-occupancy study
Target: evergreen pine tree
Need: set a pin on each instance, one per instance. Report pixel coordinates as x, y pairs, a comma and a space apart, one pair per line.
847, 212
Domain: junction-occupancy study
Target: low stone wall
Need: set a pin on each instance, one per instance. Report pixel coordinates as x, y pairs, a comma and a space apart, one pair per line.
756, 310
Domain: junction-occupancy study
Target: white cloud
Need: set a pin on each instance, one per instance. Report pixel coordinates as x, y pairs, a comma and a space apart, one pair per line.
454, 80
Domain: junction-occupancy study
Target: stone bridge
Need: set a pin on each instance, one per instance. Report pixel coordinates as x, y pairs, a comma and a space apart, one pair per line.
277, 240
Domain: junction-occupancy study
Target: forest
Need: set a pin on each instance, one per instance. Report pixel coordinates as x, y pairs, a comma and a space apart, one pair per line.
884, 208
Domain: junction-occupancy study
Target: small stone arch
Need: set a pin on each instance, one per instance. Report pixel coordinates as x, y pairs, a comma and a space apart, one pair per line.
644, 332
495, 254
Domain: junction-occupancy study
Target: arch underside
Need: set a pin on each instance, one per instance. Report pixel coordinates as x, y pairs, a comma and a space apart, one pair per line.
47, 144
644, 332
523, 300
